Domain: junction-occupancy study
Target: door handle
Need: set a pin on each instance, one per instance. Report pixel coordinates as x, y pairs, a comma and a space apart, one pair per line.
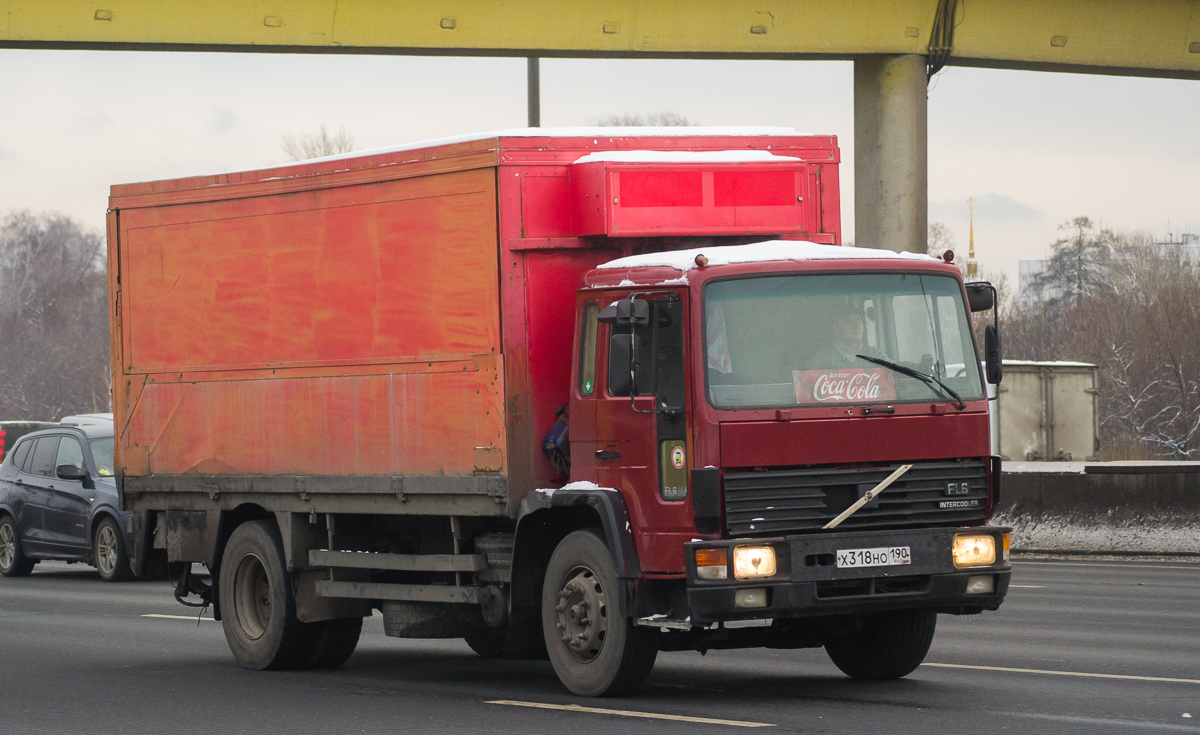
608, 453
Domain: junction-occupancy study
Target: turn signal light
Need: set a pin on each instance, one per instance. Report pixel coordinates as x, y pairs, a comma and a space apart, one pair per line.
1006, 542
712, 563
753, 562
974, 550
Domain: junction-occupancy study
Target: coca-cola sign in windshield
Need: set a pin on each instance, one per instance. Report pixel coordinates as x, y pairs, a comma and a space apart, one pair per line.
851, 385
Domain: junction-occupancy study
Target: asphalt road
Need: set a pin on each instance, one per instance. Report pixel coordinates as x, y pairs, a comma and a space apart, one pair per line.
1079, 647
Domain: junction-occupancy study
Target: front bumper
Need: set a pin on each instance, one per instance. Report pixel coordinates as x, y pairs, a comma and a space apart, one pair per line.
808, 582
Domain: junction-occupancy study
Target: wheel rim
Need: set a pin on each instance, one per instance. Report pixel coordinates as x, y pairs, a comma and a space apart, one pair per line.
8, 546
252, 597
582, 614
106, 549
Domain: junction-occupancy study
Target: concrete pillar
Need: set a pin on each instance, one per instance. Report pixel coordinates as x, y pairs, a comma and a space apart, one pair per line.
534, 91
891, 207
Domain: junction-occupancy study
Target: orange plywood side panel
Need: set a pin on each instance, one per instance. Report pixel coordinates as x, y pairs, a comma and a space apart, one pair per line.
350, 275
424, 422
343, 331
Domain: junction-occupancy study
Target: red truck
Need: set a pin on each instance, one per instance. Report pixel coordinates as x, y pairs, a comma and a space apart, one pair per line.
585, 394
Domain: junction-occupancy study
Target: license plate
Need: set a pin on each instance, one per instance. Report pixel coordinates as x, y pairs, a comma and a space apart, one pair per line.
883, 556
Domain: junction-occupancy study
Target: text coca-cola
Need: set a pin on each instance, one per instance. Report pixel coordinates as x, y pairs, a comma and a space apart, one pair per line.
841, 386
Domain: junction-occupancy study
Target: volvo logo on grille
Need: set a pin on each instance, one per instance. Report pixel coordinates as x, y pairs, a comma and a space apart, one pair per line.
957, 488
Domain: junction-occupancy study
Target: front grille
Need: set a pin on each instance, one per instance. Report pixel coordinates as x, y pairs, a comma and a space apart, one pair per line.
786, 501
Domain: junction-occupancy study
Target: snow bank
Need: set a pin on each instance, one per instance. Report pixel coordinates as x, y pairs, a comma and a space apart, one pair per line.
1153, 534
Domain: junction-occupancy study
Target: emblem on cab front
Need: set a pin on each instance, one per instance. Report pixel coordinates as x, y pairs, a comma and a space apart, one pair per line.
957, 488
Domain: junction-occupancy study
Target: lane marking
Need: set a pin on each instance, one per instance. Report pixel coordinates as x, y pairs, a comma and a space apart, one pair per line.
1051, 672
1103, 721
631, 713
1029, 586
178, 617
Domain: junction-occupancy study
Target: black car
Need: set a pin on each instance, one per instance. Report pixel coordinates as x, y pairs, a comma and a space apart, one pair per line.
58, 500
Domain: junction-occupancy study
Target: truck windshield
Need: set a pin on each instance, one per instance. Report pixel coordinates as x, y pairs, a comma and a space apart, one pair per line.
780, 341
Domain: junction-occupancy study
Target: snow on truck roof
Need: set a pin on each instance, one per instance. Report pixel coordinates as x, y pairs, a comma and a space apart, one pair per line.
685, 260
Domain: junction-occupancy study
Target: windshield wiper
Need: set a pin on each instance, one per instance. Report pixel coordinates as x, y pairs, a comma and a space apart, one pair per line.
926, 378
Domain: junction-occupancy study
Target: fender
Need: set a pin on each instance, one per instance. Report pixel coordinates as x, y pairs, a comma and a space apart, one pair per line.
614, 516
107, 511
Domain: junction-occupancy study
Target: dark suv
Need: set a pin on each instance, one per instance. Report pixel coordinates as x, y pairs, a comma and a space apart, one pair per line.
58, 500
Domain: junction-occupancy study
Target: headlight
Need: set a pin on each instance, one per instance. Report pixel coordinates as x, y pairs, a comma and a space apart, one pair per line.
753, 562
974, 550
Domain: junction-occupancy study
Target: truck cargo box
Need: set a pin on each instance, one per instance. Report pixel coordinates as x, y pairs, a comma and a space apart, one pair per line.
385, 331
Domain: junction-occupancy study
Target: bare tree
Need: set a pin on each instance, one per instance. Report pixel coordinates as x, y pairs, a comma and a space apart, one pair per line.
654, 119
318, 144
1133, 309
1078, 264
53, 318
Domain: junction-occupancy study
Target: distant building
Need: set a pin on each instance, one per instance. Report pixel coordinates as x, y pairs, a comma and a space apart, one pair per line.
1029, 282
1187, 247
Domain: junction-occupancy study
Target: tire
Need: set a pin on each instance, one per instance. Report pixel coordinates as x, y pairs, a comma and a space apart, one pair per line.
108, 552
257, 605
13, 562
608, 656
487, 646
890, 645
335, 641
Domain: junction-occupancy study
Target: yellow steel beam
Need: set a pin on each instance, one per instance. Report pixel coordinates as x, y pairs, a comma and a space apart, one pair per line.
1142, 37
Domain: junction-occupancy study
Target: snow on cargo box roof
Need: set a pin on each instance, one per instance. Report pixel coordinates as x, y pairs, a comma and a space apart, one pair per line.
579, 132
426, 151
734, 156
685, 260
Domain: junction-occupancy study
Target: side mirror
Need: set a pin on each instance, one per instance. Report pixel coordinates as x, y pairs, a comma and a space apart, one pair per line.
70, 472
991, 350
630, 311
622, 356
980, 296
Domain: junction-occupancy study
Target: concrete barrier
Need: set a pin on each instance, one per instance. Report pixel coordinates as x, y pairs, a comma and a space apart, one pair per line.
1096, 507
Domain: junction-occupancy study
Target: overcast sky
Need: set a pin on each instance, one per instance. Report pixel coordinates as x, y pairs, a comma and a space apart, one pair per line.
1034, 149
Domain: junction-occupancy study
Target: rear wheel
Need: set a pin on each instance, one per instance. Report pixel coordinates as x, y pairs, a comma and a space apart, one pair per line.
595, 651
108, 551
487, 646
13, 562
889, 646
257, 604
334, 642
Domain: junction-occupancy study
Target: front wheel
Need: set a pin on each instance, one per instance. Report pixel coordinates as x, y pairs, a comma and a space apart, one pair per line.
889, 646
108, 550
13, 562
595, 651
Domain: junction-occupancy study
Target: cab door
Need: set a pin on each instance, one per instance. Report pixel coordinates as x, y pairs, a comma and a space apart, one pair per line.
639, 443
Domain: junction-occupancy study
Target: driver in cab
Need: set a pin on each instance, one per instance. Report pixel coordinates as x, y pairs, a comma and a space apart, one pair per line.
845, 341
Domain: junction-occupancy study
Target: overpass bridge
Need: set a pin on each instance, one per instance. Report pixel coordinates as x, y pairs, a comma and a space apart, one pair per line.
896, 45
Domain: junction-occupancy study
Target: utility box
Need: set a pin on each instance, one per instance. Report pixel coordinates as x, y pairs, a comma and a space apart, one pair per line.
1047, 411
